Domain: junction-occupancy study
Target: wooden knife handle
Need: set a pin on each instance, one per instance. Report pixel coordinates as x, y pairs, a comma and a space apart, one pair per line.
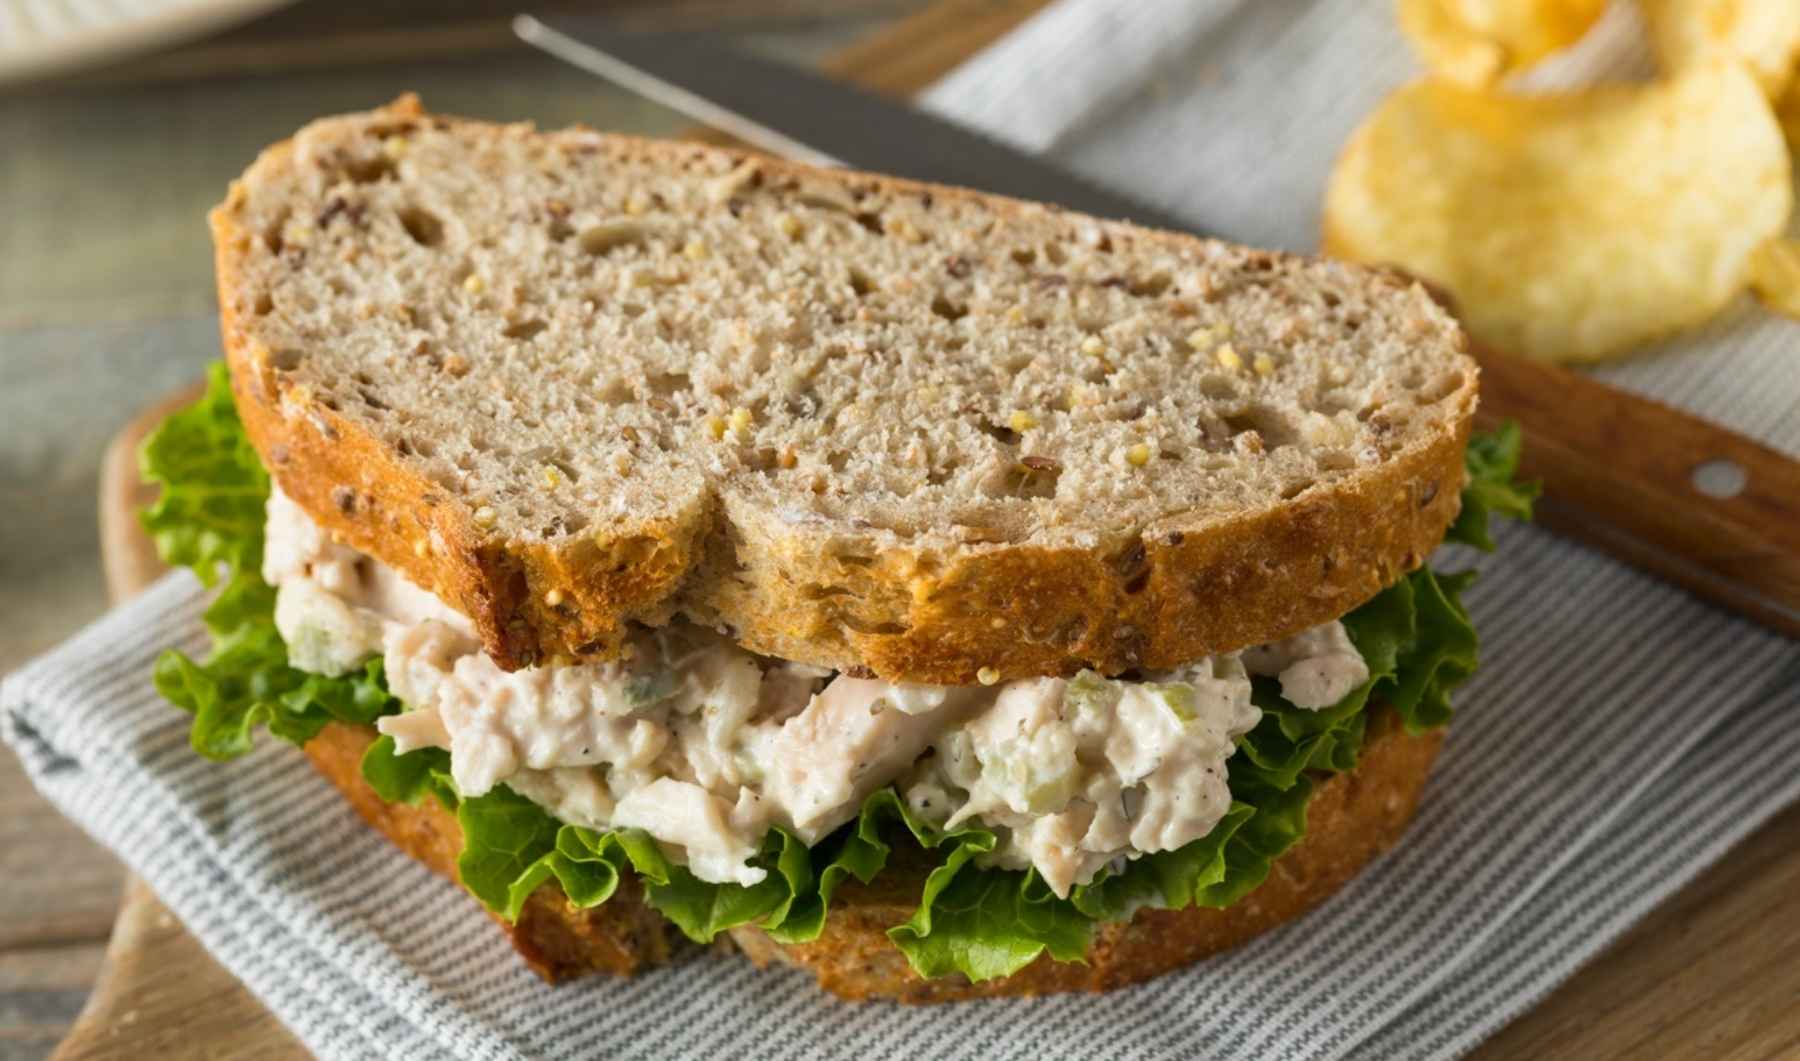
1683, 498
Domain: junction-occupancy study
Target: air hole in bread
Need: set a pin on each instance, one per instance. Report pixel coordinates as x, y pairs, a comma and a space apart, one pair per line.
1269, 424
1218, 387
272, 237
425, 227
1336, 460
286, 359
668, 384
950, 311
860, 283
1000, 433
524, 329
1150, 286
263, 304
369, 170
819, 591
1025, 256
1054, 254
608, 236
870, 220
1295, 489
560, 230
1331, 401
616, 392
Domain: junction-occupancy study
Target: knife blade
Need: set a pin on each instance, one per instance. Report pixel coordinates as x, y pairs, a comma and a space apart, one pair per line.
1624, 474
800, 115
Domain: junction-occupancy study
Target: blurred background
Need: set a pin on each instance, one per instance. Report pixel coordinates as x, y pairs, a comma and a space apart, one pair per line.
106, 304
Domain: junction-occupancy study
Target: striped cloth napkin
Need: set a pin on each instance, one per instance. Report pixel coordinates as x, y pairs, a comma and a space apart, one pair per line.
1619, 737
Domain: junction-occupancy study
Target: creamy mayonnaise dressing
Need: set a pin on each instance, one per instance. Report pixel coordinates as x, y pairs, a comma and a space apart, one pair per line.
1074, 774
704, 746
1317, 667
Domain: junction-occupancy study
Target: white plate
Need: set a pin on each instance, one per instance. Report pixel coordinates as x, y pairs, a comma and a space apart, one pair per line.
39, 37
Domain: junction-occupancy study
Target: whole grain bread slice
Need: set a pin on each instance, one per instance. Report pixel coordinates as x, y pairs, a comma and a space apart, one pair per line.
1352, 818
571, 380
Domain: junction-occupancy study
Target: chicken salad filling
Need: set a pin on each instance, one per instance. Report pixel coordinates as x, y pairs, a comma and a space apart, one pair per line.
705, 746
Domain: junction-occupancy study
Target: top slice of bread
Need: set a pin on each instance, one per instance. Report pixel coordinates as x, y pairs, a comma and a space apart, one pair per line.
571, 380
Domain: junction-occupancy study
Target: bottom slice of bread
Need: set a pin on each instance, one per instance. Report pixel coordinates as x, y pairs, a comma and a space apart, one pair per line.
1352, 818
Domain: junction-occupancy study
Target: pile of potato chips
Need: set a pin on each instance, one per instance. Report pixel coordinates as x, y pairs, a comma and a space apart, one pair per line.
1577, 225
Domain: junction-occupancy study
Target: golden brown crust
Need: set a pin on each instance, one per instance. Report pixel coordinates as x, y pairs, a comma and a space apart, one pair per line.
1171, 598
1352, 818
907, 611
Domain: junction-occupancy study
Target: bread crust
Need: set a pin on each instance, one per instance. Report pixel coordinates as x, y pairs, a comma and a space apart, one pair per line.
1352, 818
1155, 596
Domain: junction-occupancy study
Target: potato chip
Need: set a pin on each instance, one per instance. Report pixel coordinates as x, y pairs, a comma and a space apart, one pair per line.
1763, 33
1570, 226
1478, 42
1775, 276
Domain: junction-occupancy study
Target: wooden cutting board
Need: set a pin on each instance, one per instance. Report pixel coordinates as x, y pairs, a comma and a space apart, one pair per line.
1713, 973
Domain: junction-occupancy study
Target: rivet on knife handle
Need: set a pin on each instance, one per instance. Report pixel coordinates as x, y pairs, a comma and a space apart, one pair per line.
1687, 500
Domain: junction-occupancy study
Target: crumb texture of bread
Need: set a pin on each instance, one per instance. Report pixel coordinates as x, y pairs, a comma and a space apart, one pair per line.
1352, 818
570, 380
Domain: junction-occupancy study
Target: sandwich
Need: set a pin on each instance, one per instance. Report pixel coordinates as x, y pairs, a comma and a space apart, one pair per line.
948, 595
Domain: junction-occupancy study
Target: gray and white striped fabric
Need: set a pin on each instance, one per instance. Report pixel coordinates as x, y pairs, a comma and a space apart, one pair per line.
1618, 739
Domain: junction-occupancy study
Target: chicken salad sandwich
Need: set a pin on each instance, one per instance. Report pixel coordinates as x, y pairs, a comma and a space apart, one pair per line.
948, 595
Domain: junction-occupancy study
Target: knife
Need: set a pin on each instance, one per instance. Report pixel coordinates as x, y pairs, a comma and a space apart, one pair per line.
1673, 494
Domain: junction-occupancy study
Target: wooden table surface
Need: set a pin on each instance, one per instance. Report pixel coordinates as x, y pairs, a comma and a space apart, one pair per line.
105, 303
